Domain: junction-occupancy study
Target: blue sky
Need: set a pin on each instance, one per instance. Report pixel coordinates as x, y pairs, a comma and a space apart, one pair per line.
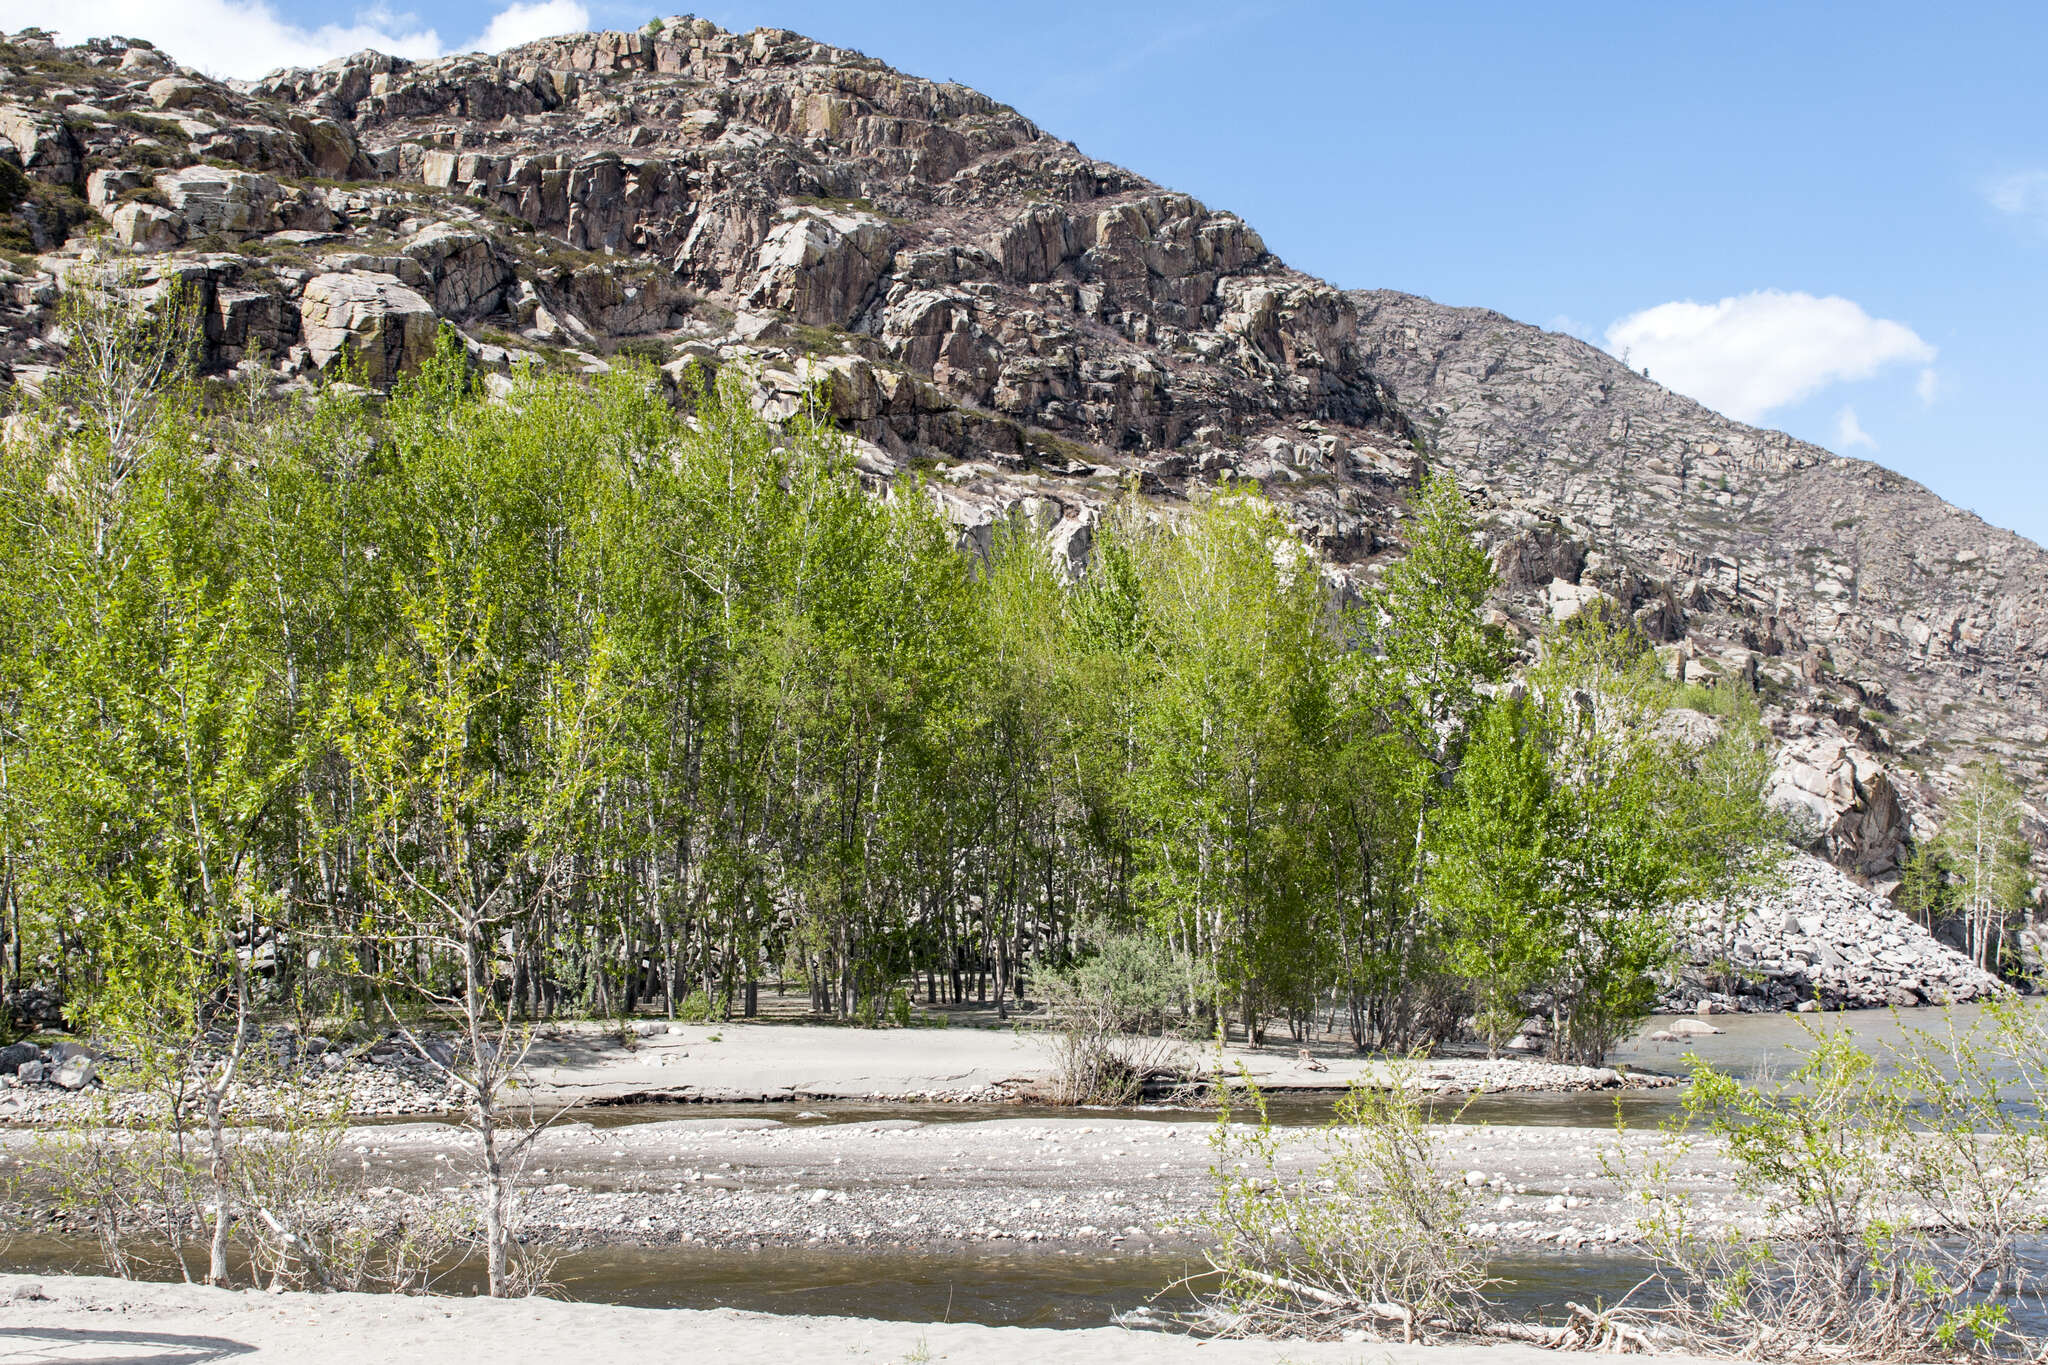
1855, 197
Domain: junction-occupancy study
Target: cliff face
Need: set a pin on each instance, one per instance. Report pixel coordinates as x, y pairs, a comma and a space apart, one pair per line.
982, 299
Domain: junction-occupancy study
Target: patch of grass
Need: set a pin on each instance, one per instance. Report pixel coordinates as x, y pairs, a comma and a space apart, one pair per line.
59, 208
818, 201
1050, 443
653, 350
151, 126
823, 340
38, 71
14, 187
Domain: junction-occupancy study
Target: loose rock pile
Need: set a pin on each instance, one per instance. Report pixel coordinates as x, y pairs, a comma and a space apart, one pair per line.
284, 1074
1821, 940
65, 1065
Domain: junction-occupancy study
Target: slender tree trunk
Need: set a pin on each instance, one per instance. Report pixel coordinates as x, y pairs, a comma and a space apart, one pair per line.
485, 1062
217, 1171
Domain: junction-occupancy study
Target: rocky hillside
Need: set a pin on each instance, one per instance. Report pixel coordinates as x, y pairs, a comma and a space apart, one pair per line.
1037, 329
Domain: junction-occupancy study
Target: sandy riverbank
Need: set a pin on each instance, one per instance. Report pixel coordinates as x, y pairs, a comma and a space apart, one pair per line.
766, 1062
88, 1319
572, 1064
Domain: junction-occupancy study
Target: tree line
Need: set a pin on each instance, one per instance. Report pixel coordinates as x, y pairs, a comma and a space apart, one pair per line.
578, 700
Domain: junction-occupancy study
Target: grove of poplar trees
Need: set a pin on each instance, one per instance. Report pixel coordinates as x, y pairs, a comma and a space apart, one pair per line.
587, 701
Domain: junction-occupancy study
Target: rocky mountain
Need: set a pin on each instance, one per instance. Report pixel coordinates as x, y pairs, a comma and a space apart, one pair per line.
1036, 329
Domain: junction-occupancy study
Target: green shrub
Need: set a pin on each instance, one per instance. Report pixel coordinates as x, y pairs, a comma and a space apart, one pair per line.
1895, 1191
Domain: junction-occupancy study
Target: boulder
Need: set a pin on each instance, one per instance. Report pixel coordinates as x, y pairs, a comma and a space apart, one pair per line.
34, 1007
146, 227
241, 318
1687, 728
822, 267
15, 1055
1568, 599
210, 199
105, 186
1072, 542
176, 92
329, 145
385, 326
467, 277
1538, 555
43, 144
1844, 797
75, 1073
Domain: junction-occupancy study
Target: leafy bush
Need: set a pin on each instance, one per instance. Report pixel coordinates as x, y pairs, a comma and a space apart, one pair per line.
1894, 1199
147, 1192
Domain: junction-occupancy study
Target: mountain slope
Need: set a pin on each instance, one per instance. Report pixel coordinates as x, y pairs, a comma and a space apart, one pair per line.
1914, 599
1038, 329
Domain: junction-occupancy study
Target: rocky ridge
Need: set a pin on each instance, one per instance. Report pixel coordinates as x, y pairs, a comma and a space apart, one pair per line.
1034, 329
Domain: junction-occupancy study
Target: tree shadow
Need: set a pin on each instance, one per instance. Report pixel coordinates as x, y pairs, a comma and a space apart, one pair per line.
86, 1346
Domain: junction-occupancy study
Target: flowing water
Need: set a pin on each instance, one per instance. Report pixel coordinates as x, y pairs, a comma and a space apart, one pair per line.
1007, 1288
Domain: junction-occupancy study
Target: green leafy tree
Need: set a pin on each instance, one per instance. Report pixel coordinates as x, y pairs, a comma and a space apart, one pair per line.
1985, 853
476, 736
1235, 617
1426, 655
1620, 866
1491, 870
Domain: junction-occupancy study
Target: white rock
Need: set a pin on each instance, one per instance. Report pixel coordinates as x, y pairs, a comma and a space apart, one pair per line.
386, 326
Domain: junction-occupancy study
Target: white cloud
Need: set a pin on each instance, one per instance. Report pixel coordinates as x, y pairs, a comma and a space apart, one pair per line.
1928, 386
2021, 194
1849, 432
1752, 353
247, 38
524, 23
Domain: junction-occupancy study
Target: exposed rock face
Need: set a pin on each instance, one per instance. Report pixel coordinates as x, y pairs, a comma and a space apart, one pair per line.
207, 199
383, 325
1822, 938
1905, 626
1844, 795
1039, 328
822, 268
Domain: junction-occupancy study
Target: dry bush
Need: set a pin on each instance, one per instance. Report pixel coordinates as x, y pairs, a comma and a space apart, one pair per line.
146, 1188
1094, 1064
1105, 1019
1368, 1238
